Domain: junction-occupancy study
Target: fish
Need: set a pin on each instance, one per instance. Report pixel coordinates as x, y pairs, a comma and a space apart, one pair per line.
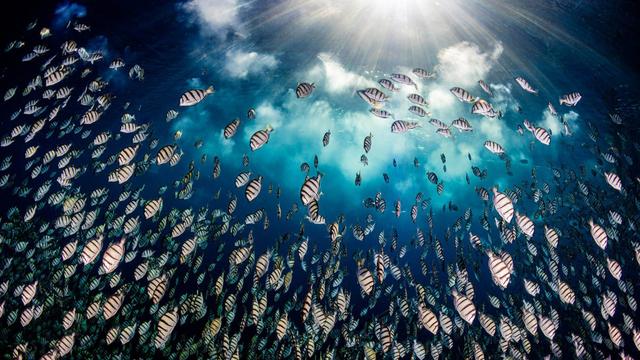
260, 138
402, 126
304, 89
404, 79
193, 97
570, 99
524, 84
463, 95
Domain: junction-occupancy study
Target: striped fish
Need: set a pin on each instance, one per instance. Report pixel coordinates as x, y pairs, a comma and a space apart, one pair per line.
365, 279
112, 257
423, 74
501, 267
613, 180
402, 126
463, 95
598, 234
90, 117
193, 97
529, 319
281, 327
570, 99
152, 207
418, 111
565, 292
367, 143
446, 132
65, 345
524, 84
615, 335
438, 124
503, 205
259, 138
165, 154
552, 236
157, 288
547, 327
388, 84
253, 188
304, 89
542, 135
488, 324
375, 95
310, 190
482, 107
525, 224
127, 154
369, 100
404, 79
28, 293
616, 119
614, 268
56, 76
231, 128
417, 99
91, 250
113, 305
485, 87
242, 179
462, 124
326, 138
494, 147
464, 306
428, 319
122, 174
166, 324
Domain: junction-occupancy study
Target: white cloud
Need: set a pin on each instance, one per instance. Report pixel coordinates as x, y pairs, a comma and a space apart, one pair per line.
240, 64
217, 16
335, 78
463, 64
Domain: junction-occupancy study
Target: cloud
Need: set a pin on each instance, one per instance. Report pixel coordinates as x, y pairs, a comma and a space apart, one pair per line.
335, 78
218, 17
463, 64
240, 64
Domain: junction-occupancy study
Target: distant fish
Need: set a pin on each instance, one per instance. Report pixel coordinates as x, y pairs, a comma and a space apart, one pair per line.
463, 95
570, 99
304, 89
423, 74
401, 126
404, 79
388, 84
485, 88
524, 84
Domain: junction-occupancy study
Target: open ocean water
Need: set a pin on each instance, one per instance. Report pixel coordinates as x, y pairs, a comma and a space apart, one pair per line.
319, 179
